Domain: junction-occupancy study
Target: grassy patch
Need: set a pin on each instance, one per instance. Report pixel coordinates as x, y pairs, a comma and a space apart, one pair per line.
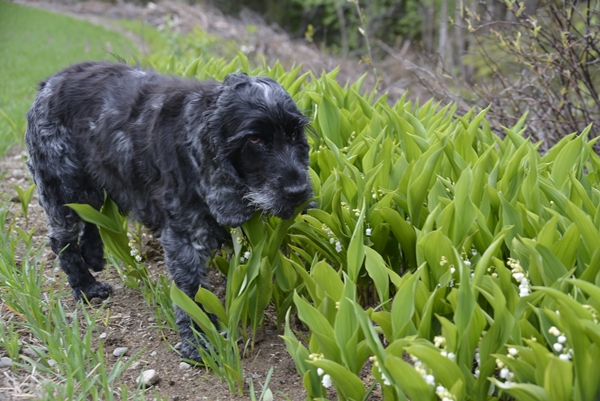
34, 44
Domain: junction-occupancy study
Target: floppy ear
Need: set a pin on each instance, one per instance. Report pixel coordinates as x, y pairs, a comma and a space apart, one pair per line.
223, 189
224, 195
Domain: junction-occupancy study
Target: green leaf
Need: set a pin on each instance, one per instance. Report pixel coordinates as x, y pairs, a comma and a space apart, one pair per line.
403, 306
418, 186
328, 280
197, 315
558, 379
408, 379
378, 271
91, 215
349, 384
404, 233
356, 250
212, 304
566, 160
320, 327
328, 118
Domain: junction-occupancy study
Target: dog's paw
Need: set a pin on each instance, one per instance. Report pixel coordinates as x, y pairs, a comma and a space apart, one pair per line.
93, 290
189, 350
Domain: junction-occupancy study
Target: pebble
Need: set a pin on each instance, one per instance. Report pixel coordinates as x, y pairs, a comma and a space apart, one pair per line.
153, 353
103, 336
17, 173
29, 352
5, 362
120, 351
184, 366
148, 378
177, 346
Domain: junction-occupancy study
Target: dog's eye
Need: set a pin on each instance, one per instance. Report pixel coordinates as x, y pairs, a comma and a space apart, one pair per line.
254, 139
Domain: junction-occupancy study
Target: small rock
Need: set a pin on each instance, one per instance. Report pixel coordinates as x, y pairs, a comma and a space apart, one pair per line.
177, 346
17, 173
120, 351
5, 362
28, 351
184, 366
134, 365
151, 319
148, 378
50, 280
51, 362
153, 353
103, 336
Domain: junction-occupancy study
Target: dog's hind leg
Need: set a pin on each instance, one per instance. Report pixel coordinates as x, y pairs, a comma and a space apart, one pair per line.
63, 240
92, 248
60, 181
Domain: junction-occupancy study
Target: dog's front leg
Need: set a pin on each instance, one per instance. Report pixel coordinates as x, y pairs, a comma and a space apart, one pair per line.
186, 256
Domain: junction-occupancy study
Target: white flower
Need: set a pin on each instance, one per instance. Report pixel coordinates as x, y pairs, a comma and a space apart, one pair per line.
338, 247
368, 232
452, 270
247, 254
133, 252
513, 351
504, 373
557, 347
467, 263
562, 339
331, 240
554, 331
242, 260
523, 292
326, 381
565, 357
452, 356
386, 381
518, 276
430, 379
320, 371
476, 374
138, 258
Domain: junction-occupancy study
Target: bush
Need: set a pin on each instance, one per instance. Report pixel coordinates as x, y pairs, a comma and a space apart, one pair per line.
542, 60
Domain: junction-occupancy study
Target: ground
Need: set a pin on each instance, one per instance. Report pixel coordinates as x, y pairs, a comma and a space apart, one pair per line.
131, 322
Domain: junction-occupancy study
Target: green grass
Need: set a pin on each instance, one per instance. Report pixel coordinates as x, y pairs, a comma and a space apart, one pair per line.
36, 43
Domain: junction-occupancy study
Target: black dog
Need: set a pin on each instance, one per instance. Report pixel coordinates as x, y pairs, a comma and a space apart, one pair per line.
183, 157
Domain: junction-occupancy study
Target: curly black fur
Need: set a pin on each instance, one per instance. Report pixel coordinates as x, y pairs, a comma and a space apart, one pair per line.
183, 157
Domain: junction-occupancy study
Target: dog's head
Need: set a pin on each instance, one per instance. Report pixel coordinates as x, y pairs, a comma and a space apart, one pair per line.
261, 147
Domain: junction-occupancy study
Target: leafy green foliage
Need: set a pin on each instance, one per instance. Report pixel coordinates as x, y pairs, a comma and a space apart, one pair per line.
474, 254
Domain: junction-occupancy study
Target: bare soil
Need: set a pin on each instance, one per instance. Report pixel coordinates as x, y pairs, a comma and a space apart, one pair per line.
131, 323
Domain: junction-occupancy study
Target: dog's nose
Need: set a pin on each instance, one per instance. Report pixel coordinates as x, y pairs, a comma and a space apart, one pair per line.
295, 191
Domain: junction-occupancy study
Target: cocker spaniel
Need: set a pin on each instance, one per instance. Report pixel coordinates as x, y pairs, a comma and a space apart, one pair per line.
182, 156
